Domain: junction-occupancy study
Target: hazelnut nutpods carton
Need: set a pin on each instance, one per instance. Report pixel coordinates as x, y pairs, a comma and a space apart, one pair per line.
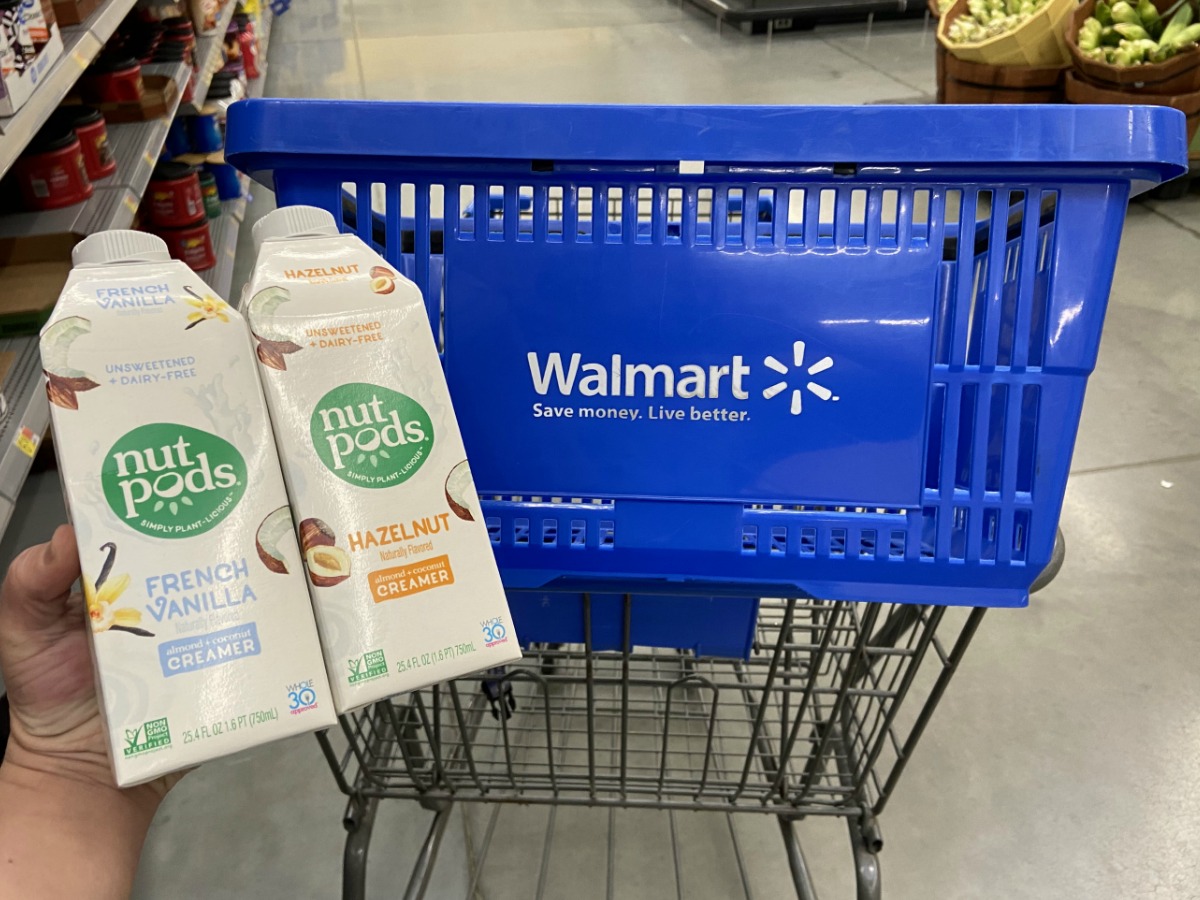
401, 572
202, 633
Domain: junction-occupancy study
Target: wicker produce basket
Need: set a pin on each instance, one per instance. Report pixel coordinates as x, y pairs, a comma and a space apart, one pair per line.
972, 82
1038, 41
1178, 75
1080, 91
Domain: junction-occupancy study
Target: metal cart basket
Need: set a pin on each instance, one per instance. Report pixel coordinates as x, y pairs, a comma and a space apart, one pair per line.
815, 723
701, 356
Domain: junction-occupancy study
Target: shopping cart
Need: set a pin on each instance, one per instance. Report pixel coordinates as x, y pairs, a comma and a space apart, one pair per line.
861, 398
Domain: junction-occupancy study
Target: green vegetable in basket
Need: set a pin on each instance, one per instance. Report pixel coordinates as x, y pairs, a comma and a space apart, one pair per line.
1132, 32
1124, 14
1148, 13
1137, 34
1089, 35
990, 18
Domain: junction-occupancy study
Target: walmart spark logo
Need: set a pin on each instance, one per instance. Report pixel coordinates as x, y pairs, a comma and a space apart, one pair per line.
817, 390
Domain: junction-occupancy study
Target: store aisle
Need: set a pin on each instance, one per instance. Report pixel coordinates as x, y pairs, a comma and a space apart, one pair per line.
1062, 762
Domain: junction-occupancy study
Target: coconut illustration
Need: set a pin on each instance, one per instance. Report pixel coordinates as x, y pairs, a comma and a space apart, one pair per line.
64, 383
460, 492
272, 537
272, 347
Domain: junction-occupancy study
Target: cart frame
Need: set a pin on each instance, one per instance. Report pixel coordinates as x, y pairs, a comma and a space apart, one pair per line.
815, 723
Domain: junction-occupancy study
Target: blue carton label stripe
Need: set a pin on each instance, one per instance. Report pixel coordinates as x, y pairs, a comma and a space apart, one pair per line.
205, 650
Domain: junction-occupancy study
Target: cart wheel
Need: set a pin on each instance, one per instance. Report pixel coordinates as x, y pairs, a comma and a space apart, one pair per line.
499, 693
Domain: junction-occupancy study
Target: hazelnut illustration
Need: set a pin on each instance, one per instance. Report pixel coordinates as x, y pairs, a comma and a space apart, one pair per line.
315, 533
382, 285
327, 565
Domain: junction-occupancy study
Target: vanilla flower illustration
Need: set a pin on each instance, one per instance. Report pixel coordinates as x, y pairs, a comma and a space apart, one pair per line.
101, 598
206, 307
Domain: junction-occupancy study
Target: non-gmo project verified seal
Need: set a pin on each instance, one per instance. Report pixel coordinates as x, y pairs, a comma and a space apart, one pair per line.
370, 665
151, 736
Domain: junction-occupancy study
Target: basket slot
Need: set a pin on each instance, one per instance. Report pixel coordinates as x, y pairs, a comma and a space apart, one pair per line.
466, 213
1027, 449
733, 214
993, 463
949, 208
929, 517
968, 398
779, 541
675, 217
921, 203
970, 267
530, 220
826, 217
577, 214
983, 271
750, 539
1020, 535
579, 533
856, 231
867, 544
889, 216
795, 217
958, 532
990, 534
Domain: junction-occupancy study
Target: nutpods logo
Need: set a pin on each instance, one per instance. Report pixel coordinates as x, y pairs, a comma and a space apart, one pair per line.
371, 436
169, 480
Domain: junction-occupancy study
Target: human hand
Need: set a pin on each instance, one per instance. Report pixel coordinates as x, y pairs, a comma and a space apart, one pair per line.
58, 800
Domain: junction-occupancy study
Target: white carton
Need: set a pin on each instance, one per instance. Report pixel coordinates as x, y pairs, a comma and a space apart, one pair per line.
203, 636
403, 579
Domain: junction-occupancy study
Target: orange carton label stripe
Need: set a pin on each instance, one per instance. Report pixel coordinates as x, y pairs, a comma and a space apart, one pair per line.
402, 581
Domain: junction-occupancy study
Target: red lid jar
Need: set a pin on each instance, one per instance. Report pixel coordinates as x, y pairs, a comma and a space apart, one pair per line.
113, 79
191, 244
174, 197
51, 173
89, 126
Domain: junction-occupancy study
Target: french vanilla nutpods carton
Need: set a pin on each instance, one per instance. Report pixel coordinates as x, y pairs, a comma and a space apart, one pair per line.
400, 567
203, 634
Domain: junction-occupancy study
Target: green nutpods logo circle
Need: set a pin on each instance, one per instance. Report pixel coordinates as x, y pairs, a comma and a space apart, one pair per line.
172, 481
371, 436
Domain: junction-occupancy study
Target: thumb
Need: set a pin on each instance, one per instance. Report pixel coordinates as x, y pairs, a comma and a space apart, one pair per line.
40, 579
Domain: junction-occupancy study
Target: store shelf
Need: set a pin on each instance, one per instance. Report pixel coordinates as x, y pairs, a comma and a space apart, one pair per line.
136, 146
259, 84
224, 238
81, 44
24, 424
210, 58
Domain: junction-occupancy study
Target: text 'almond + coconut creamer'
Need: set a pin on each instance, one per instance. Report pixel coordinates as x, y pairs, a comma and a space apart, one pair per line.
403, 580
202, 630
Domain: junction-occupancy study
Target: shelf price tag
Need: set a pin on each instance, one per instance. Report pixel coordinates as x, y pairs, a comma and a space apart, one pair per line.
27, 441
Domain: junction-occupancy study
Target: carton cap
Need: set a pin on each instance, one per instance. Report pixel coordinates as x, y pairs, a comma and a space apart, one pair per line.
110, 247
292, 222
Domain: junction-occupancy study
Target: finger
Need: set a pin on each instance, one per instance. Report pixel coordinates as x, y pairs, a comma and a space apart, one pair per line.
40, 579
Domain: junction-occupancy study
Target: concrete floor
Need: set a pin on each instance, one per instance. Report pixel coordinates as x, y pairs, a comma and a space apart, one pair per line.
1062, 762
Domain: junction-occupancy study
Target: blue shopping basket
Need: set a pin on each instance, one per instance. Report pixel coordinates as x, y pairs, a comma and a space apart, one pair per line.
868, 388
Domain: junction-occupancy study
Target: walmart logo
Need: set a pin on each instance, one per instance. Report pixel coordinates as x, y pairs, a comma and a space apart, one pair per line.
817, 390
571, 374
